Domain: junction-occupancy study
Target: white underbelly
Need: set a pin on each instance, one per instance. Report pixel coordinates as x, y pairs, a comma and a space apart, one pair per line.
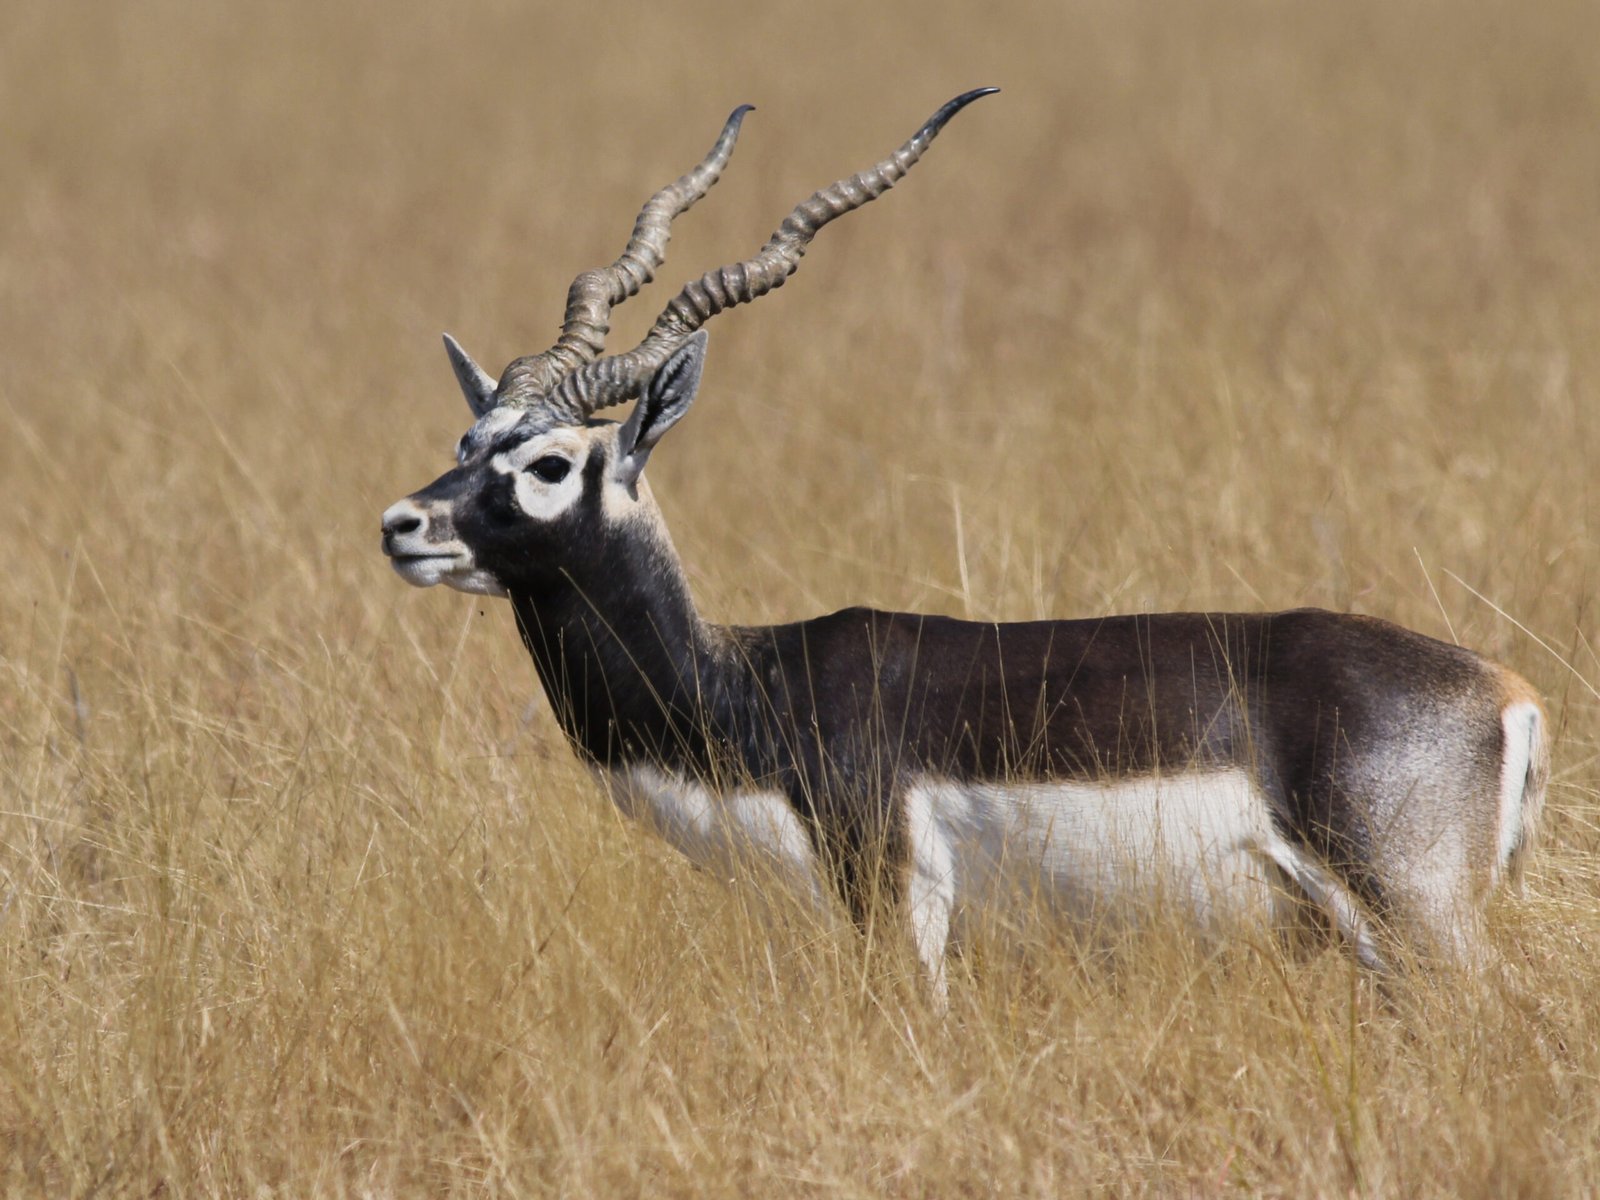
1199, 842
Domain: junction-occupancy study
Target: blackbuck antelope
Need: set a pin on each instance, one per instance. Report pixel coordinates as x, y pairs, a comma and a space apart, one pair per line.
1257, 763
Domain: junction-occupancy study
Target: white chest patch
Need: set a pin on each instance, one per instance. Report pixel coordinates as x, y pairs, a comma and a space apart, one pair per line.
729, 833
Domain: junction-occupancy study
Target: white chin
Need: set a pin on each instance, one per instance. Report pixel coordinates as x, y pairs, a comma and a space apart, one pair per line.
422, 572
452, 571
479, 583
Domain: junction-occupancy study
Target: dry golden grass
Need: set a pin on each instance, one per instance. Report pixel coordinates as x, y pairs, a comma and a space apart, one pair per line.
1225, 305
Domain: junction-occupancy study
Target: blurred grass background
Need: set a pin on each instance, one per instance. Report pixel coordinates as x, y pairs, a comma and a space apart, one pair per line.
1225, 305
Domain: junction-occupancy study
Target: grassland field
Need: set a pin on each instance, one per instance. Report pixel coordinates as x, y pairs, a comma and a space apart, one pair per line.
1232, 305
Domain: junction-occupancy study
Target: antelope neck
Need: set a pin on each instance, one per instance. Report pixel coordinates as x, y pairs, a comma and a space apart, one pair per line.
632, 671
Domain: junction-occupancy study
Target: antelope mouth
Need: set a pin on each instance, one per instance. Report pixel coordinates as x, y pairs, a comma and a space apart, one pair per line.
454, 570
425, 570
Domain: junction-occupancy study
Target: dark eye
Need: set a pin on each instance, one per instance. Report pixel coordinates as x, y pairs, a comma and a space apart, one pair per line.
552, 468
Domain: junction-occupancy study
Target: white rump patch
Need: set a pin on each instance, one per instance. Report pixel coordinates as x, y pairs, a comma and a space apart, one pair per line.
1522, 725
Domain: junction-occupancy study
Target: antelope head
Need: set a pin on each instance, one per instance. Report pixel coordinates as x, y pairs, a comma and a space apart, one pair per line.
538, 476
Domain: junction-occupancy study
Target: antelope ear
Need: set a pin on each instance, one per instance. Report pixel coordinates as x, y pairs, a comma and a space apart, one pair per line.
664, 402
477, 385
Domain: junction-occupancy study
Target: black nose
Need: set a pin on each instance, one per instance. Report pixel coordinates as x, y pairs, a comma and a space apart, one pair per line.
401, 527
